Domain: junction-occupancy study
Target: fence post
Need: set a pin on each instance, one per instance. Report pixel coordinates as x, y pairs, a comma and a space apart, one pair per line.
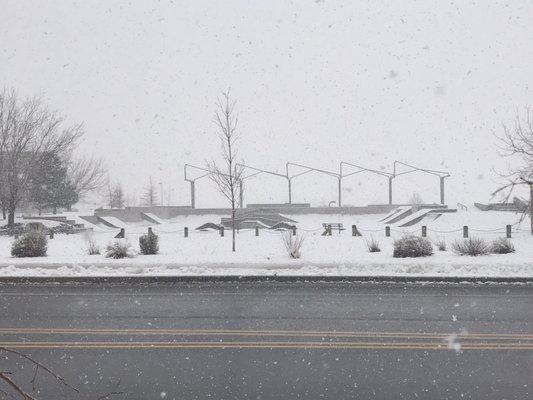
465, 231
221, 231
256, 231
424, 231
508, 231
186, 231
387, 231
294, 231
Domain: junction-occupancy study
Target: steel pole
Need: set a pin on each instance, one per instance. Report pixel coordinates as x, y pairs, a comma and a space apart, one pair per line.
340, 192
390, 190
442, 190
193, 205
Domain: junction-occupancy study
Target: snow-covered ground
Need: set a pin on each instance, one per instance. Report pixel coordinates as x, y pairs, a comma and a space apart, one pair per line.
206, 253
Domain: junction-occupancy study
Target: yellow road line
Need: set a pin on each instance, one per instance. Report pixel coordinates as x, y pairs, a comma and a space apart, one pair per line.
259, 343
234, 332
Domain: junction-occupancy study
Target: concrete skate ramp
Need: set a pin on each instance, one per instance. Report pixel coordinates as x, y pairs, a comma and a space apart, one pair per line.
111, 222
393, 213
403, 213
154, 219
282, 226
419, 215
208, 225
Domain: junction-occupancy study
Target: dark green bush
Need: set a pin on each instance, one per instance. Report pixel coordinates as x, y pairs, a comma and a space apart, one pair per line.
30, 244
149, 244
412, 246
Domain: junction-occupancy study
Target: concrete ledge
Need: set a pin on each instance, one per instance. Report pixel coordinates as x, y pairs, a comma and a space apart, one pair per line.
129, 280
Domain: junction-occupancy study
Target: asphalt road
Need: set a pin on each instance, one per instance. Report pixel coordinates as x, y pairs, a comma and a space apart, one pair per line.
270, 340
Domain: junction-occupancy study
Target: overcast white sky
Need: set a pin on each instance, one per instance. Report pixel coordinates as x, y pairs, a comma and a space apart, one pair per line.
317, 82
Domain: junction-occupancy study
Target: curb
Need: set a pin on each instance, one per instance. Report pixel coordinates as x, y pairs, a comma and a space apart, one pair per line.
261, 278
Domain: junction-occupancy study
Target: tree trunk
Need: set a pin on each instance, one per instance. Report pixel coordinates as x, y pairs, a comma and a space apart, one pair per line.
11, 208
4, 215
54, 210
531, 206
11, 218
233, 229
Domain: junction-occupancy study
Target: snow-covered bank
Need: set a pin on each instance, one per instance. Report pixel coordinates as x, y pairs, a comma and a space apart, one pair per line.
206, 253
410, 268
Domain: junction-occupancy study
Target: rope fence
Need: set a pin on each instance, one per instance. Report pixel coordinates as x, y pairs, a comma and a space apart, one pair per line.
508, 230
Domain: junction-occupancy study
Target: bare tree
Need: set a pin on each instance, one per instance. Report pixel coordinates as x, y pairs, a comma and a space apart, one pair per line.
86, 174
28, 132
149, 197
115, 195
416, 199
517, 142
228, 176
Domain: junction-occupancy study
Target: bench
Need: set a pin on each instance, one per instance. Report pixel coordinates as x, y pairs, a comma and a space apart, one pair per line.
329, 226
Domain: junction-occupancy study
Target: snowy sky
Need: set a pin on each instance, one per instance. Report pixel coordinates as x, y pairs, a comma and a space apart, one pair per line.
316, 82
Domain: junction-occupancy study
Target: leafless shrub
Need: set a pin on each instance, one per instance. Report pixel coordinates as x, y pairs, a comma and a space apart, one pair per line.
502, 246
92, 247
119, 248
440, 243
373, 245
474, 246
293, 243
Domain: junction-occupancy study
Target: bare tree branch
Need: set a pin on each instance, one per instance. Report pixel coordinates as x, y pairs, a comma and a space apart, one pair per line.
87, 174
39, 365
25, 396
517, 142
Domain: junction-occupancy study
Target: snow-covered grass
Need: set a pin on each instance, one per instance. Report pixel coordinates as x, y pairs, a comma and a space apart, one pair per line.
206, 253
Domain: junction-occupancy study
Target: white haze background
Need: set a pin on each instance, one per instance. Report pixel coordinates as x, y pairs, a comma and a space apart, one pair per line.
317, 82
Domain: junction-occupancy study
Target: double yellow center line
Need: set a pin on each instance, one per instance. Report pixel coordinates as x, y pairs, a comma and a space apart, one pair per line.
263, 339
